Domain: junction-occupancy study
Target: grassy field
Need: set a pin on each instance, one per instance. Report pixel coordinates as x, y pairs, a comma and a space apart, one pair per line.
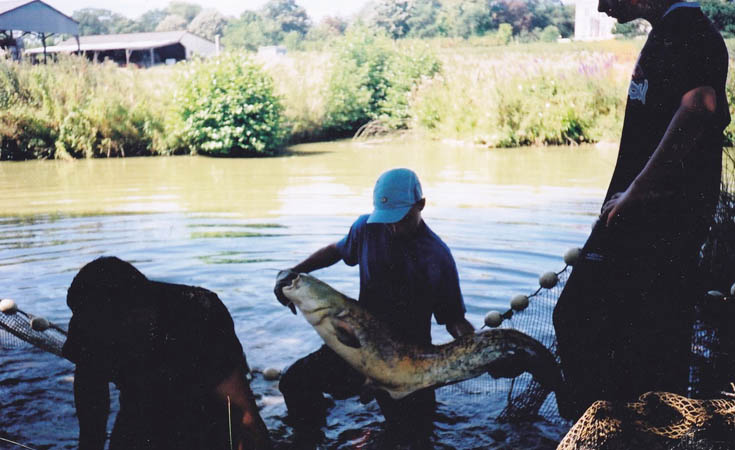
484, 94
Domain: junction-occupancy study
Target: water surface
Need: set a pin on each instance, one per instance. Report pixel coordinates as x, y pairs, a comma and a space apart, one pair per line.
230, 224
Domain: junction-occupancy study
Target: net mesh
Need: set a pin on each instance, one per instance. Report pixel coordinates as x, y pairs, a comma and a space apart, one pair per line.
16, 331
656, 420
525, 397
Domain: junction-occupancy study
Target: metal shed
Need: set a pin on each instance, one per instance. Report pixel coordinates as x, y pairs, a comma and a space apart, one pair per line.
143, 49
34, 16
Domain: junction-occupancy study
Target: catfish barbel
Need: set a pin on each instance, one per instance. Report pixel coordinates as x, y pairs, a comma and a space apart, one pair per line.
401, 368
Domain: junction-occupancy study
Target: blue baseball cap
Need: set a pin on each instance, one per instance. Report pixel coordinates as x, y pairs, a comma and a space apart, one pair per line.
395, 193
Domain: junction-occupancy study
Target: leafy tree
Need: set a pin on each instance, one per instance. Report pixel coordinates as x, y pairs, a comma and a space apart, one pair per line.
371, 80
504, 33
100, 21
334, 24
208, 24
321, 35
638, 27
392, 16
149, 20
286, 16
722, 14
172, 23
549, 34
183, 9
424, 20
249, 31
473, 17
559, 15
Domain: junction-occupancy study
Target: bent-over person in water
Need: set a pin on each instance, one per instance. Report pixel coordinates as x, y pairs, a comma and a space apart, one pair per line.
172, 352
407, 274
624, 319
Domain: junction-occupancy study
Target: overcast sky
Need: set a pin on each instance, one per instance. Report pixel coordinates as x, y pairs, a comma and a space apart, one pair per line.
134, 8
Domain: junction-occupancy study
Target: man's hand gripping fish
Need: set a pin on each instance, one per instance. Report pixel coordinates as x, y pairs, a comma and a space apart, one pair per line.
399, 368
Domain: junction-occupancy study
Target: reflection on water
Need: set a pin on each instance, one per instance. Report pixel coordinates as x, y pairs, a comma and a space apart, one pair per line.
322, 179
229, 225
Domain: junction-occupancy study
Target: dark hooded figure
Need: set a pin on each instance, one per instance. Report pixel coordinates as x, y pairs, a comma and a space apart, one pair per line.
172, 352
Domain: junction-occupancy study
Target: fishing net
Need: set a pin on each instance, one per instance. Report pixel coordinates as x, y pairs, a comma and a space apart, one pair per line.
713, 343
655, 420
712, 366
18, 329
525, 397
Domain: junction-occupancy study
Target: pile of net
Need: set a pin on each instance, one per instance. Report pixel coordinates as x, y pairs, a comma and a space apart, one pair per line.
658, 420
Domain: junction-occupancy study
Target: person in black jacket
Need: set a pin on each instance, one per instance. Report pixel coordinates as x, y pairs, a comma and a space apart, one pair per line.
172, 352
624, 319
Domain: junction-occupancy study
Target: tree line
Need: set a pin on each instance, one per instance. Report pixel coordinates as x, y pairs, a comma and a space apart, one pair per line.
287, 23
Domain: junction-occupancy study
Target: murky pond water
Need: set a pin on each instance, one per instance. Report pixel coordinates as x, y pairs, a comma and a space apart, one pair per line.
229, 224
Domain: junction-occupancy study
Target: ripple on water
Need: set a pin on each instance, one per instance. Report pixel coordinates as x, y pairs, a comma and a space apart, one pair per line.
233, 234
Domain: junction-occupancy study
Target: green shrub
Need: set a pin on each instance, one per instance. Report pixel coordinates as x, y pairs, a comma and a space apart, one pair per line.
372, 79
549, 34
24, 134
504, 33
228, 108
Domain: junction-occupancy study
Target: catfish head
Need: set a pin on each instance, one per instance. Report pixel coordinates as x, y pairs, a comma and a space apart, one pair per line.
326, 309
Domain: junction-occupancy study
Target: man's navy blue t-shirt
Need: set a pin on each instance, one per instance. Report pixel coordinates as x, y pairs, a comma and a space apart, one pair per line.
403, 281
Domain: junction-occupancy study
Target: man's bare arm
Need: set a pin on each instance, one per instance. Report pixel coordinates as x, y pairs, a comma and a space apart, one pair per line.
460, 327
689, 122
249, 431
324, 257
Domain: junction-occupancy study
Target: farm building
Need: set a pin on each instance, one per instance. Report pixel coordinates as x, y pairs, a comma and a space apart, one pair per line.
19, 18
142, 49
589, 24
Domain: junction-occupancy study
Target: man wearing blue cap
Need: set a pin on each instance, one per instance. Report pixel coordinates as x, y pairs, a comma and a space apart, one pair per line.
407, 274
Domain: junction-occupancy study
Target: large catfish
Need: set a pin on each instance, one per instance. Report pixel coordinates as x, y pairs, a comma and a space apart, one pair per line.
400, 368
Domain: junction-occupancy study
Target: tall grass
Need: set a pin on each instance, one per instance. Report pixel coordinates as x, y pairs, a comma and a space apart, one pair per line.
485, 93
74, 108
519, 96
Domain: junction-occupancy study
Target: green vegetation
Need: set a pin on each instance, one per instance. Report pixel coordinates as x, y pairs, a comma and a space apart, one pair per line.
286, 22
486, 90
371, 80
527, 95
79, 109
228, 108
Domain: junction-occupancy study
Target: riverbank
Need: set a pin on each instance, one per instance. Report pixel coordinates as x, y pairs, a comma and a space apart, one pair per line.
463, 90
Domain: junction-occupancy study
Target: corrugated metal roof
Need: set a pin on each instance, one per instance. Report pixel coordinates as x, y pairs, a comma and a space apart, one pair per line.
7, 6
35, 16
123, 40
129, 41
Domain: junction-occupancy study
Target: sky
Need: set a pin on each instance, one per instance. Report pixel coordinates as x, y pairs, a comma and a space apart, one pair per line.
134, 8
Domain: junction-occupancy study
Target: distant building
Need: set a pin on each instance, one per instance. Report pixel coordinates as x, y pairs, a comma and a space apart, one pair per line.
21, 17
589, 24
271, 51
142, 49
